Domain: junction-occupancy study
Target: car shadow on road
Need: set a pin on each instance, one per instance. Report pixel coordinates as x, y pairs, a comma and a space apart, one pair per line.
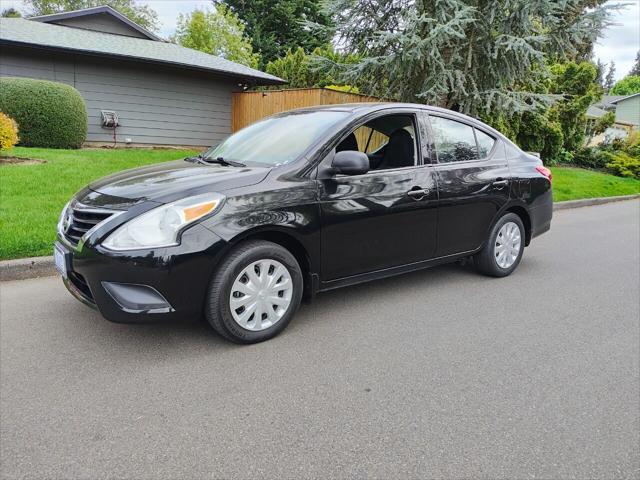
195, 336
165, 335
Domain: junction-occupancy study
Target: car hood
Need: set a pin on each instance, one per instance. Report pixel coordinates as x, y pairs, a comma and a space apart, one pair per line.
171, 181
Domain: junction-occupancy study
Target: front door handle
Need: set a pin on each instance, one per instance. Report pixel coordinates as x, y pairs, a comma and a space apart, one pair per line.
418, 193
500, 183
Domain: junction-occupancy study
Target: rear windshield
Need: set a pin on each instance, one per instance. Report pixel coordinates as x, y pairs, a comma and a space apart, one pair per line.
277, 140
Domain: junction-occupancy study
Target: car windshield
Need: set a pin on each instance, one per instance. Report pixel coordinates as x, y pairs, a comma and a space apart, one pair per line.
277, 140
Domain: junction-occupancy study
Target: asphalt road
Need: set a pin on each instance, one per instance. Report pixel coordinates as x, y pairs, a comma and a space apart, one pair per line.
436, 374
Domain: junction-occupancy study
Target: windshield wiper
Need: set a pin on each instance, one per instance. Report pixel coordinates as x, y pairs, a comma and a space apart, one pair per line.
223, 161
219, 160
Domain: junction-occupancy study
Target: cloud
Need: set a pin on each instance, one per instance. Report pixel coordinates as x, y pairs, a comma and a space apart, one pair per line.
168, 12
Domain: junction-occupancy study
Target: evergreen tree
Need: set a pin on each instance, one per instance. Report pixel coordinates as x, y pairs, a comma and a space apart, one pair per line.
600, 68
218, 32
610, 79
292, 67
143, 15
302, 70
576, 83
635, 70
469, 55
276, 26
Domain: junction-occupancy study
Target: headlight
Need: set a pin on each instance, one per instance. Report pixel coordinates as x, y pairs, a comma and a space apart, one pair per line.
160, 227
63, 218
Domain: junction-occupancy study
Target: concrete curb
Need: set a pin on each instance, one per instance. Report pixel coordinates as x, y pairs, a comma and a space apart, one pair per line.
24, 268
35, 267
592, 201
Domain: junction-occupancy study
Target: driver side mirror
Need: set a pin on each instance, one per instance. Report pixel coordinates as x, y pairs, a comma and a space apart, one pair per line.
350, 162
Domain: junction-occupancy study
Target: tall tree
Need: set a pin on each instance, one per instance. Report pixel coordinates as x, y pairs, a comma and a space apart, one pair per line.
469, 55
610, 79
302, 70
600, 68
576, 83
143, 15
635, 70
218, 32
561, 126
10, 13
276, 26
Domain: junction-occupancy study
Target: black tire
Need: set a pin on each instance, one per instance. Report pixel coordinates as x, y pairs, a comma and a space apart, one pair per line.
217, 309
485, 260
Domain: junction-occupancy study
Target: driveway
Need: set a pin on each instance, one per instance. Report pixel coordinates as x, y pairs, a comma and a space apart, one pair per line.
439, 373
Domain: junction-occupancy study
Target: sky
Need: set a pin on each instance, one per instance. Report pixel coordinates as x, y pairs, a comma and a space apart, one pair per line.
619, 43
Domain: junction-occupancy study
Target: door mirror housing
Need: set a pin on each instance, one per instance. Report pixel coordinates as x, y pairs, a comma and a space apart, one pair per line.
350, 162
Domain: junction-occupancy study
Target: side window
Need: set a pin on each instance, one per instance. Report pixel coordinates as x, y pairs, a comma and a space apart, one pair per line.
370, 140
454, 141
389, 141
485, 143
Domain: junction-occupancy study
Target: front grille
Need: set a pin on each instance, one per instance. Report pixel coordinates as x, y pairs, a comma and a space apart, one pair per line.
80, 220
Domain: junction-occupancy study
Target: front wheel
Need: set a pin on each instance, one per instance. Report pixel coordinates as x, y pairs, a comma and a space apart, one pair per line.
505, 245
254, 292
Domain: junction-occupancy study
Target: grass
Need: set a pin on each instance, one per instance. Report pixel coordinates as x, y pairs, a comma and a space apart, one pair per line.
576, 183
32, 195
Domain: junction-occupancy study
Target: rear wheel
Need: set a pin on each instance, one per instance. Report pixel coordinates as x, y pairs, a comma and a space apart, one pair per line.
254, 293
504, 248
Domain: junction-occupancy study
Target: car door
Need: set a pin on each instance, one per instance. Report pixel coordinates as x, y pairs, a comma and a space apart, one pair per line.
473, 183
386, 217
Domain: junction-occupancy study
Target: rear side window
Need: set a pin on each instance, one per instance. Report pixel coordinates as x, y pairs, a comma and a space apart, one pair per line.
485, 143
454, 141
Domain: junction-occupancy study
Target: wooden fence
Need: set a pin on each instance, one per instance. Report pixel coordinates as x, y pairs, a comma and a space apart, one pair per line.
248, 107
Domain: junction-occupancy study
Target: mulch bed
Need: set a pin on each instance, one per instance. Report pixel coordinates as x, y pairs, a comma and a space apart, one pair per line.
19, 161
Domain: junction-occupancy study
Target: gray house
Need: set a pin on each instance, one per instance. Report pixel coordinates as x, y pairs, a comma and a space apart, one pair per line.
162, 93
627, 116
628, 110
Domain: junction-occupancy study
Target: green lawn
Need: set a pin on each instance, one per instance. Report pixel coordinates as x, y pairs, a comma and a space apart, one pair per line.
575, 183
31, 196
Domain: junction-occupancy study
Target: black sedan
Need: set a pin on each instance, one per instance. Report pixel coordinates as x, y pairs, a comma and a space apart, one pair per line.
298, 203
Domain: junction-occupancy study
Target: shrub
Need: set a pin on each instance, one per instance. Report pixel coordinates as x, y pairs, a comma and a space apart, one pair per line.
632, 144
343, 88
565, 156
50, 114
8, 132
590, 157
624, 165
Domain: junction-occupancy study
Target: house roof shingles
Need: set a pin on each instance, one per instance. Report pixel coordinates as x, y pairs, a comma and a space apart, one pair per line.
88, 12
18, 31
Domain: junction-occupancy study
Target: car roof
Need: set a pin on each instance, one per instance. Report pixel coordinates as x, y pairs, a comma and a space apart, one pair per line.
367, 107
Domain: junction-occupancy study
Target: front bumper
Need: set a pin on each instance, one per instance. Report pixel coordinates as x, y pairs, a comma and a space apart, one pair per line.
145, 285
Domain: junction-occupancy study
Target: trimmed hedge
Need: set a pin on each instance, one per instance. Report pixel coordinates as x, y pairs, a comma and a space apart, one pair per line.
50, 114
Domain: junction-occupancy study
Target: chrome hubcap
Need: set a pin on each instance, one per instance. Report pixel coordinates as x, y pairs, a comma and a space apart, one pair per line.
507, 246
261, 295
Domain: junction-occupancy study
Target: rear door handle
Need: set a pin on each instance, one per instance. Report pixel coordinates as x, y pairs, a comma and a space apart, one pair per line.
500, 183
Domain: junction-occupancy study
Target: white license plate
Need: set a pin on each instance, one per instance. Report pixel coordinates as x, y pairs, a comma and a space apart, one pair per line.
61, 261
